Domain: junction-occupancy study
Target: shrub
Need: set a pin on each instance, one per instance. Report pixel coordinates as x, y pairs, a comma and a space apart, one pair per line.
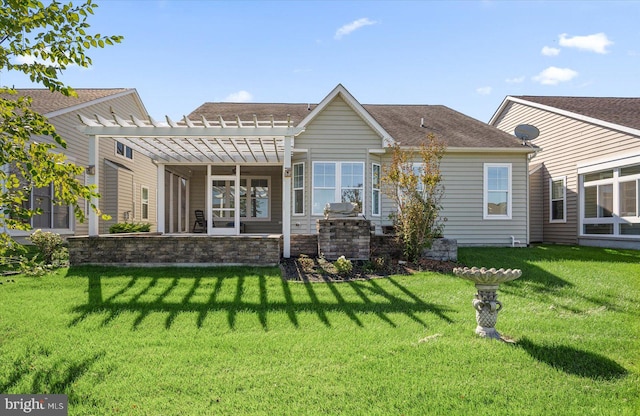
51, 254
413, 181
343, 265
50, 247
130, 227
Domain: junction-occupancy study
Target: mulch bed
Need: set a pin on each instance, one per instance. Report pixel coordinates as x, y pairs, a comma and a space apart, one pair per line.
308, 269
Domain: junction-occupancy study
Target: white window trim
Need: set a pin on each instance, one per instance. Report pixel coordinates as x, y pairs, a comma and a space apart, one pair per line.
485, 187
115, 150
564, 199
616, 220
52, 206
338, 187
249, 198
379, 189
142, 202
294, 189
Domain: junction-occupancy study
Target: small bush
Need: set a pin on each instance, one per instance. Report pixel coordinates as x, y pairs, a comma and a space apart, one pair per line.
50, 246
343, 265
130, 227
51, 254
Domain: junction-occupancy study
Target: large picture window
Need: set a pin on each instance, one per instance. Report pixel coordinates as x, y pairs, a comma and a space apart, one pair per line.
609, 200
497, 191
337, 182
298, 189
558, 199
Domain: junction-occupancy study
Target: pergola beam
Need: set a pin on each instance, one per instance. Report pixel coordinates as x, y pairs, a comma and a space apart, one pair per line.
229, 141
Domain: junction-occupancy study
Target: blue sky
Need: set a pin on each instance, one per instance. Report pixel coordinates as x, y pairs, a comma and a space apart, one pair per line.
467, 55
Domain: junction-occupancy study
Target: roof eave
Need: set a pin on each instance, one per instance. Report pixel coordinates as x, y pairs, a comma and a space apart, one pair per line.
522, 149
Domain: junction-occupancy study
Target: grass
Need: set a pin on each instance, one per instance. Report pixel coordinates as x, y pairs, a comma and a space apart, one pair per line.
235, 341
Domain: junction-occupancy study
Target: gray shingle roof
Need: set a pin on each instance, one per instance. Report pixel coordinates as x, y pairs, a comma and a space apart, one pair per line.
622, 111
402, 122
45, 101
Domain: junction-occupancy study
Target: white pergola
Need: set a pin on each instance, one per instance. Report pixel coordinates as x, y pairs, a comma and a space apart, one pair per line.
202, 142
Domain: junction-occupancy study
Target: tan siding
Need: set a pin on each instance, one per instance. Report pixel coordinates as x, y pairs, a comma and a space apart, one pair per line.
462, 204
566, 142
536, 205
109, 200
78, 153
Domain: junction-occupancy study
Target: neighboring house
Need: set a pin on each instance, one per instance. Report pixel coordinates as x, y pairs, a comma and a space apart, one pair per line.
585, 181
128, 177
250, 172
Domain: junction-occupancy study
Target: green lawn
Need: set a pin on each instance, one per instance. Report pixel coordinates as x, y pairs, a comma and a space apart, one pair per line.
242, 341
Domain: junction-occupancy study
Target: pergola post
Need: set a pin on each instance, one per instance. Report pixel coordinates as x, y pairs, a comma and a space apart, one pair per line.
160, 200
93, 176
286, 199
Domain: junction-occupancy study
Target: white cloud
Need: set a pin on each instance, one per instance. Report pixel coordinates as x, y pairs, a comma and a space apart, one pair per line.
554, 75
517, 80
484, 90
549, 51
239, 97
594, 43
355, 25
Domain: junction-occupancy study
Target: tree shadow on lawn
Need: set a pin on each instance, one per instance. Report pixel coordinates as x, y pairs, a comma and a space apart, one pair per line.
130, 297
574, 361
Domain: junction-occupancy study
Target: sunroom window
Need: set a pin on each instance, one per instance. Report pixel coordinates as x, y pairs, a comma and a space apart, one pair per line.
610, 201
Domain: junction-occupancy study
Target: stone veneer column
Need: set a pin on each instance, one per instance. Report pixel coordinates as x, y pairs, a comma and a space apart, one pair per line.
349, 237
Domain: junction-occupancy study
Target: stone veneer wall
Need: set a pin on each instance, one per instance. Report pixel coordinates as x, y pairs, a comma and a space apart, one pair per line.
349, 237
443, 249
154, 249
306, 244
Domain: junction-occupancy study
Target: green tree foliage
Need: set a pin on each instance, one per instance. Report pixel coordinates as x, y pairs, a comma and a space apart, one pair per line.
40, 41
413, 181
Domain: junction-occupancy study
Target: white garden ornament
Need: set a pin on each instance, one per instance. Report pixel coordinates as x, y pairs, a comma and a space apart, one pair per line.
486, 301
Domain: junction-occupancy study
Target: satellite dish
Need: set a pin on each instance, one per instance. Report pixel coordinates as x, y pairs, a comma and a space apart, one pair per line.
526, 132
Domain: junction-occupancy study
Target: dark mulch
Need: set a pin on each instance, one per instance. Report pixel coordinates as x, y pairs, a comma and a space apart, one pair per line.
308, 269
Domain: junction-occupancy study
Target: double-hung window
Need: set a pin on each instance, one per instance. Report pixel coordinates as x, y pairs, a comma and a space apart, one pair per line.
144, 202
375, 189
497, 191
298, 189
337, 182
51, 215
558, 199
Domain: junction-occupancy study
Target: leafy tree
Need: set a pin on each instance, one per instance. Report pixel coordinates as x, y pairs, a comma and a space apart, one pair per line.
413, 181
41, 42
